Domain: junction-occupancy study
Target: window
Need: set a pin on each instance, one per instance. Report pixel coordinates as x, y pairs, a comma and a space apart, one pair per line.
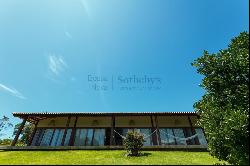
57, 137
46, 137
201, 136
147, 137
37, 137
188, 133
179, 136
67, 138
99, 137
167, 136
50, 137
89, 137
80, 137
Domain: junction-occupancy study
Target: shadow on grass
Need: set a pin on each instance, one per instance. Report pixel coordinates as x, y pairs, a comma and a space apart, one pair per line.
145, 154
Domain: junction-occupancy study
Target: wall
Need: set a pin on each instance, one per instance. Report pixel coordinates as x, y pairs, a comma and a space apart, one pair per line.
173, 121
121, 121
94, 122
53, 122
133, 121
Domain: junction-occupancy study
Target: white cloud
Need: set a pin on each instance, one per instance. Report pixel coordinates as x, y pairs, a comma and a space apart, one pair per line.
57, 64
11, 91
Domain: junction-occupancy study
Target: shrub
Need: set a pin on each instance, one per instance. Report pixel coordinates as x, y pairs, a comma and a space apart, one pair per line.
133, 143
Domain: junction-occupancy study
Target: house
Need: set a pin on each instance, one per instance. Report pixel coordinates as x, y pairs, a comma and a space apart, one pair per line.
81, 130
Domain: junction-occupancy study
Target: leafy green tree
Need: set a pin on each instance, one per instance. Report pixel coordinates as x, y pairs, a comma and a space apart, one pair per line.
4, 124
133, 143
25, 134
6, 141
224, 108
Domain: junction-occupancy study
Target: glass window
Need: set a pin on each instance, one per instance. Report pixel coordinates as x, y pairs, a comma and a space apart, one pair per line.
89, 137
40, 137
125, 131
67, 138
46, 137
147, 137
179, 136
118, 139
188, 132
77, 137
57, 138
167, 136
99, 137
201, 136
80, 137
37, 137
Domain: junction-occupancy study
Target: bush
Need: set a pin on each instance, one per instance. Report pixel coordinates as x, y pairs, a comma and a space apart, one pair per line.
133, 143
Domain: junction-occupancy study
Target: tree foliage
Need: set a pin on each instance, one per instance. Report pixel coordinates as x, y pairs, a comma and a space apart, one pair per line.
133, 143
4, 124
5, 142
224, 108
25, 134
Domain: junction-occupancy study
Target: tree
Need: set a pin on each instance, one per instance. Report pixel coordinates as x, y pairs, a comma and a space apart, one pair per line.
26, 132
4, 124
224, 108
133, 143
6, 141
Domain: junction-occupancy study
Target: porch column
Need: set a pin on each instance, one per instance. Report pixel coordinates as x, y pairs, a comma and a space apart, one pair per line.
193, 131
33, 134
112, 140
65, 131
158, 131
19, 131
154, 136
73, 134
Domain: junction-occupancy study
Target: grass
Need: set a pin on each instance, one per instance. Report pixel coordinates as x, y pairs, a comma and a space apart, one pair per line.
105, 157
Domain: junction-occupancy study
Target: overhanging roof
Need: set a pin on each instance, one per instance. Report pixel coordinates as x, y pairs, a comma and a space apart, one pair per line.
35, 116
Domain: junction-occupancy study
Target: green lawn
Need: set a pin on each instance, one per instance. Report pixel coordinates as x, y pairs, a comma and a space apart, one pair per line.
116, 157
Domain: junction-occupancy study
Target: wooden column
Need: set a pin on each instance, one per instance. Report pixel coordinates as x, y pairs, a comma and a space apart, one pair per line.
154, 136
19, 131
112, 136
33, 134
85, 143
174, 136
65, 132
193, 131
158, 131
73, 134
92, 139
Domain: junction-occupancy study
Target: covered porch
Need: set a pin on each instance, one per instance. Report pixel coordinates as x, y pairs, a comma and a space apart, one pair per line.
169, 130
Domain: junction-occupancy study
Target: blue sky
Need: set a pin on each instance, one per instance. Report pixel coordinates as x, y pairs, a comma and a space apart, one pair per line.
52, 50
